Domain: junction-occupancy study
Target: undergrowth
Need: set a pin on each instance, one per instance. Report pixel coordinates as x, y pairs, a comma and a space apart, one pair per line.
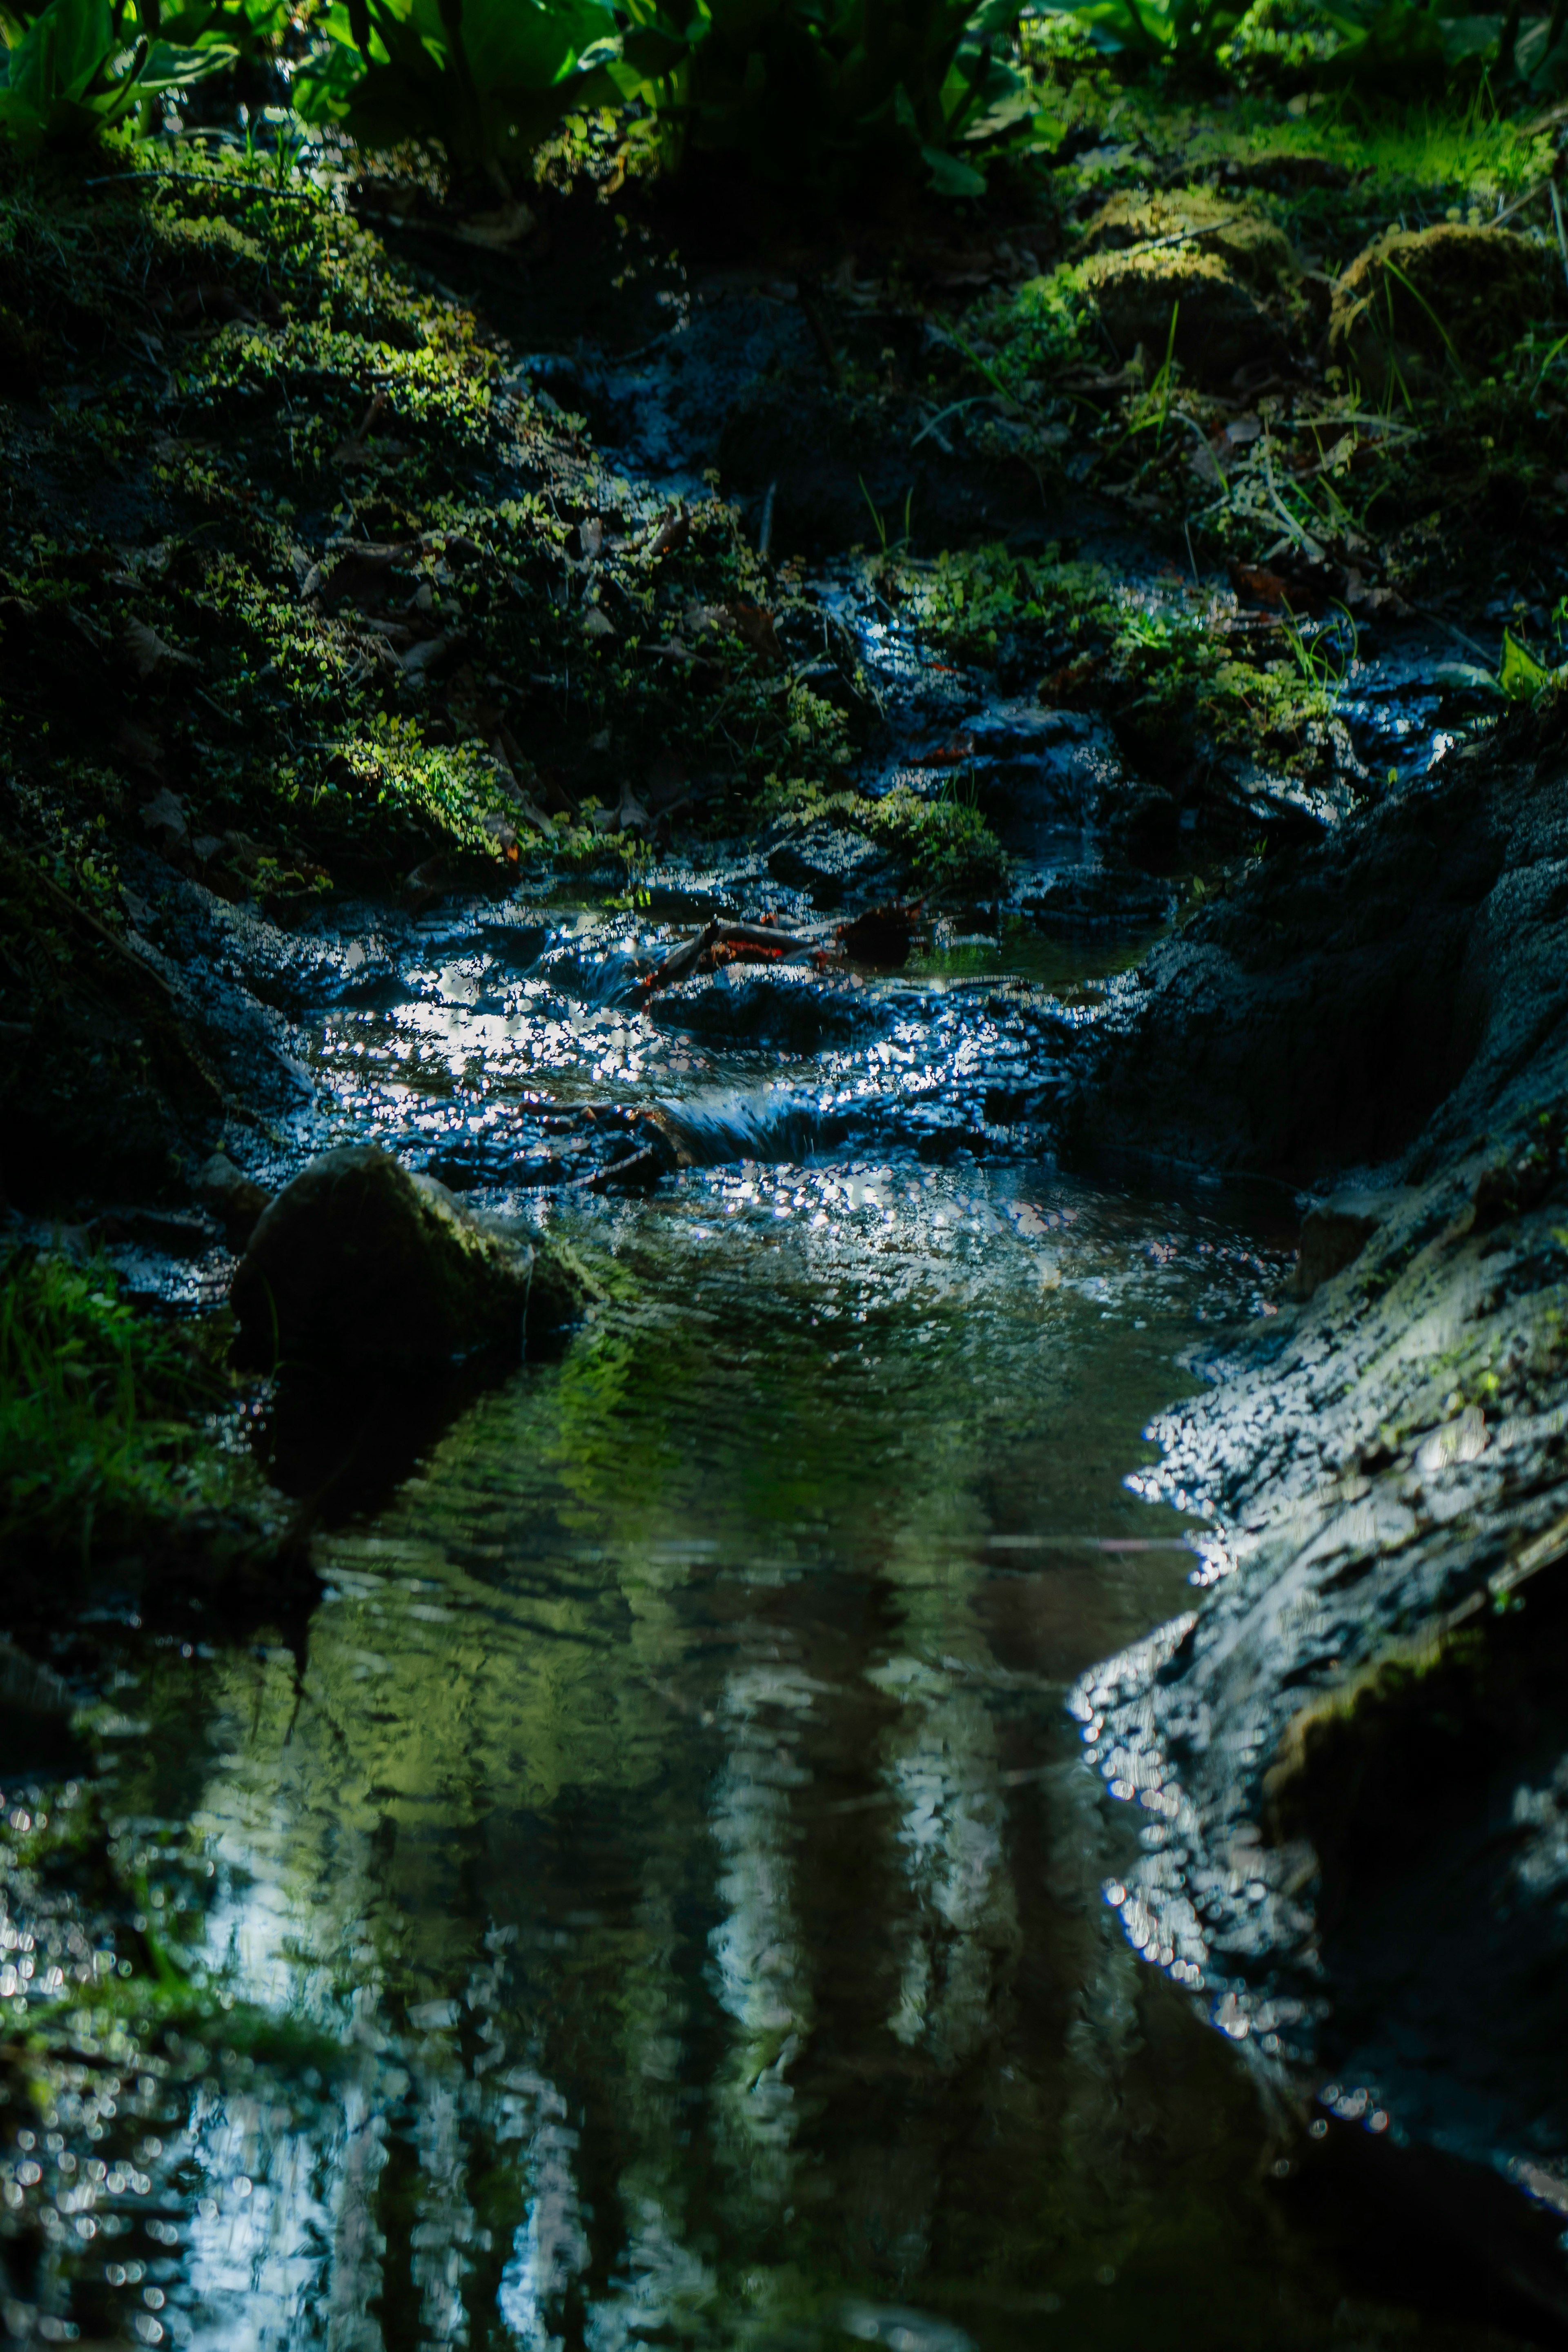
363, 596
104, 1414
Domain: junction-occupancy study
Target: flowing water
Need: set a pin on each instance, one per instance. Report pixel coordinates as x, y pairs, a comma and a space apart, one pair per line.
659, 1896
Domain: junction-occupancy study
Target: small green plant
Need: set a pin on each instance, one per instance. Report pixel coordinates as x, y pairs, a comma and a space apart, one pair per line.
1521, 677
637, 858
490, 79
1163, 32
81, 67
880, 521
825, 93
97, 1405
1324, 660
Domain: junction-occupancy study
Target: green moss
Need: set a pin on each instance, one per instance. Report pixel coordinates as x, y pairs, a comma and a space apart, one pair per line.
942, 837
303, 395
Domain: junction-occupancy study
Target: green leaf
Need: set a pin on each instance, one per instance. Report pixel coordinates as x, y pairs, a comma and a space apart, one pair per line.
951, 176
168, 67
1464, 677
1520, 676
324, 86
653, 51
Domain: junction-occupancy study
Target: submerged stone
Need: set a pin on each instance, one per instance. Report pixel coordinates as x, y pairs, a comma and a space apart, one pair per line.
827, 862
235, 1197
359, 1260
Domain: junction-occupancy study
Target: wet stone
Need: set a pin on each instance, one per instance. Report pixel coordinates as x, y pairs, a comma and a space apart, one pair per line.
1334, 1234
828, 863
357, 1259
1421, 303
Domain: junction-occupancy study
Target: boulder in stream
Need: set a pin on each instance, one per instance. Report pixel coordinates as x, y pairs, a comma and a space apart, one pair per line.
237, 1199
828, 862
1333, 1235
359, 1261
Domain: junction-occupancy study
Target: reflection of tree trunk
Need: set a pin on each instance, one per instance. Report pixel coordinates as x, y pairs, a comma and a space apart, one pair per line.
762, 1978
962, 1931
356, 2281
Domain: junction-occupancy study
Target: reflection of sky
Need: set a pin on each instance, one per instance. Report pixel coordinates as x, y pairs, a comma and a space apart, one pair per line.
281, 2247
550, 2249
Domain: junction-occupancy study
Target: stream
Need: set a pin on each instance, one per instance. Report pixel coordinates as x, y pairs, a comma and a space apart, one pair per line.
669, 1847
665, 1857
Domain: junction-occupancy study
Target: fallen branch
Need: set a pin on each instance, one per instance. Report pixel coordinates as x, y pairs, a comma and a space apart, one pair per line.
686, 960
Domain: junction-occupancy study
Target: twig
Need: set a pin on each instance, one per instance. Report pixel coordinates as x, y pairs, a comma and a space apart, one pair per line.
1457, 635
971, 401
685, 959
1517, 204
1177, 236
820, 336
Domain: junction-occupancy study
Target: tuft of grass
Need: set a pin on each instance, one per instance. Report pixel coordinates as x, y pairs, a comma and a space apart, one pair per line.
103, 1412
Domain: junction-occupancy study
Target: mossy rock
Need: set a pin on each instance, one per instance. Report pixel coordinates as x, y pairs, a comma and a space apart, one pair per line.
1220, 325
1254, 249
102, 1088
360, 1261
1235, 287
1422, 302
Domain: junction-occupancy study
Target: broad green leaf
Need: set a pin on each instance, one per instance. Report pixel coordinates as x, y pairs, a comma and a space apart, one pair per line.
324, 86
951, 176
168, 67
1520, 676
79, 37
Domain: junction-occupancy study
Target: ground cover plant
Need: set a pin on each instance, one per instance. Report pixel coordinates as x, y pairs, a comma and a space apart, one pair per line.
103, 1414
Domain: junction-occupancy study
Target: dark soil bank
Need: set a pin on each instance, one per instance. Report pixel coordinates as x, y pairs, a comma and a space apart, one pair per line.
1386, 998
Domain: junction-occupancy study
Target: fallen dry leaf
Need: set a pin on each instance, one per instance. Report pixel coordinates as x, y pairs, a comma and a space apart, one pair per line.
951, 754
424, 655
755, 624
671, 535
352, 451
148, 652
360, 571
1263, 587
134, 743
631, 816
